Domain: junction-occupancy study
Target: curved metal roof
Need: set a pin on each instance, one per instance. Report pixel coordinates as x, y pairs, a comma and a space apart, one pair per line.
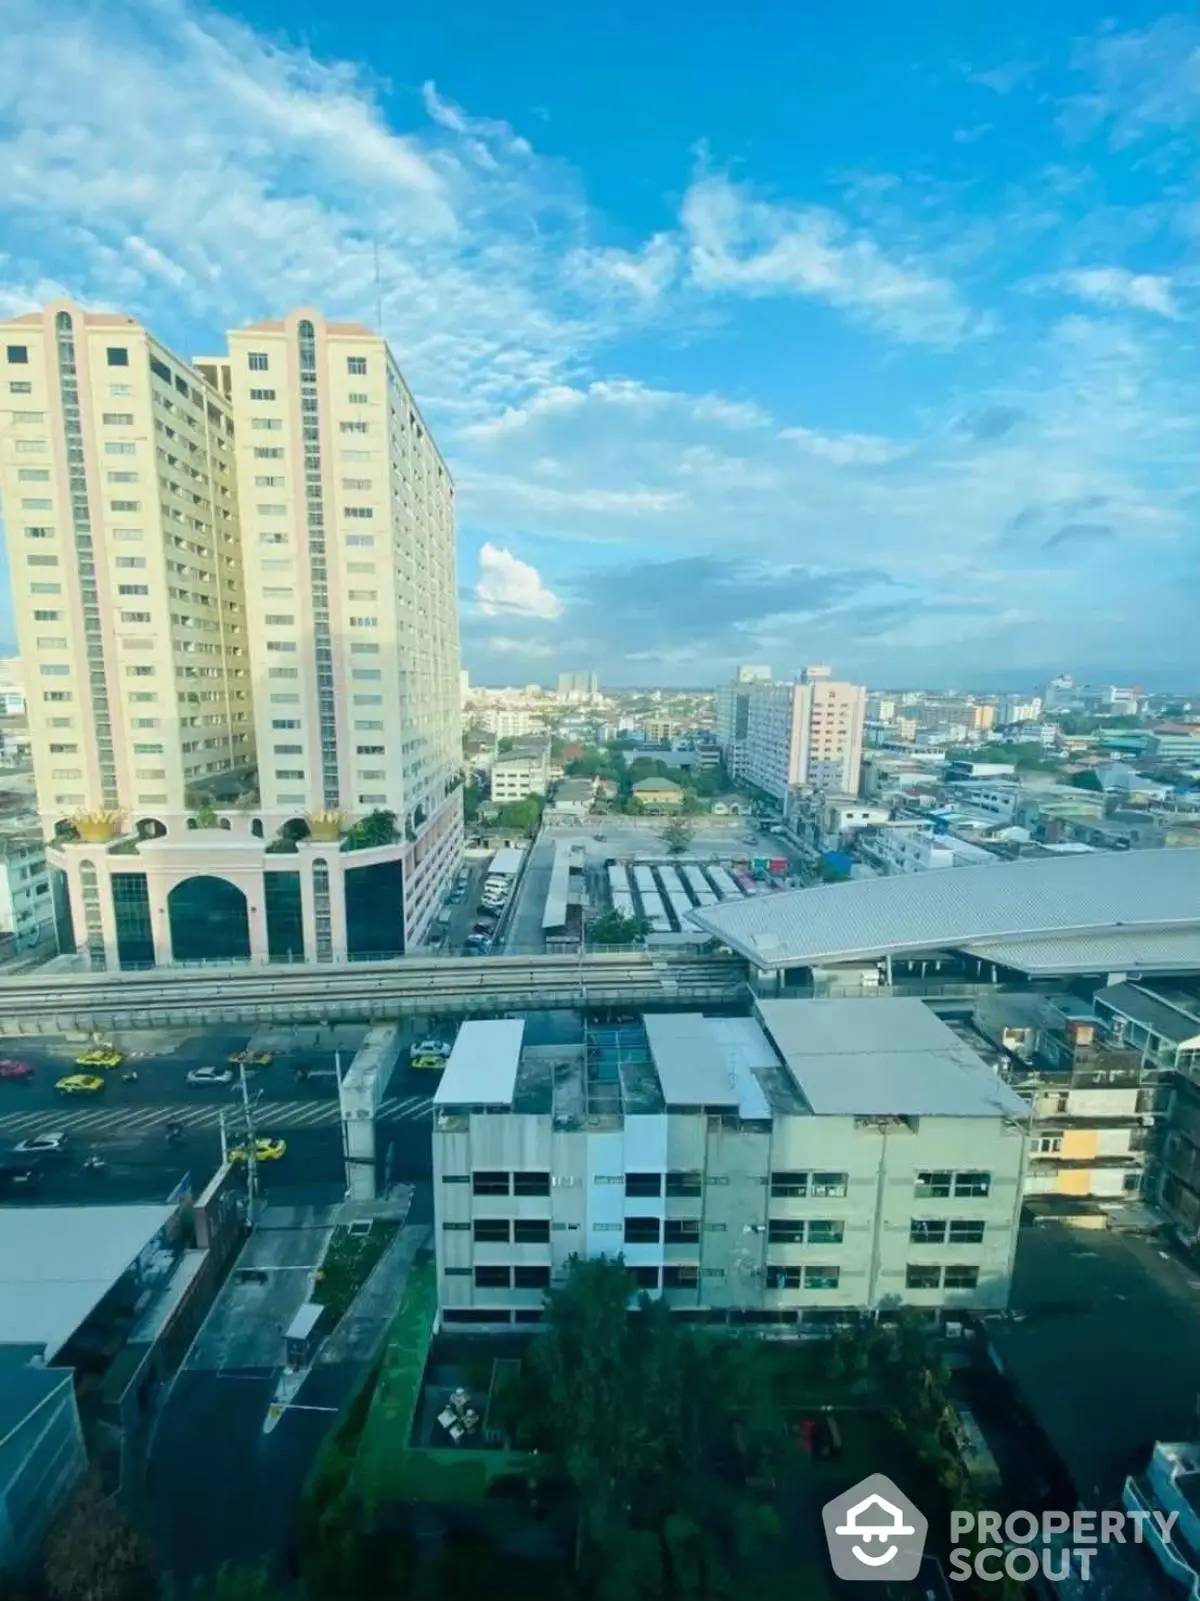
1011, 903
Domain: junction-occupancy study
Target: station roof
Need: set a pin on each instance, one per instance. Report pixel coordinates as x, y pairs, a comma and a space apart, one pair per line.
883, 1058
57, 1263
996, 908
482, 1070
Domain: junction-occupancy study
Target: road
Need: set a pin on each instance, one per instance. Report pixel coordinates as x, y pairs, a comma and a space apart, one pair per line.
126, 1123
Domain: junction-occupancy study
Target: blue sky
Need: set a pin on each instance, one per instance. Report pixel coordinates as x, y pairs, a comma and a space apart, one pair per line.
775, 333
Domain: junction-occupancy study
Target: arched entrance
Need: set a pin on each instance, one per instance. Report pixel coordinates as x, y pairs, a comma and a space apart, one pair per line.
209, 921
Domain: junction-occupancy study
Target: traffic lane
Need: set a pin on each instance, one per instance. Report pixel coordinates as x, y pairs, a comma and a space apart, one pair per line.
165, 1077
150, 1168
219, 1489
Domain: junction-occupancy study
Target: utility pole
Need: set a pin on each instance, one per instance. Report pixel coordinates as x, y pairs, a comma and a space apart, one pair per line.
251, 1142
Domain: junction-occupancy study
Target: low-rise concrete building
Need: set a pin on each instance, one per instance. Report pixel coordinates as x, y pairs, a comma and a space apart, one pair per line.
522, 771
658, 794
817, 1160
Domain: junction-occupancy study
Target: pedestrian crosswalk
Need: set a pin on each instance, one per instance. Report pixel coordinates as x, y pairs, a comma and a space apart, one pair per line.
131, 1122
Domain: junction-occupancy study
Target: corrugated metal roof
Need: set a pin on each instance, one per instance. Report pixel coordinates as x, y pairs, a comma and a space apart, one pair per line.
1121, 951
884, 1058
959, 906
58, 1262
554, 914
507, 861
482, 1070
1178, 1023
744, 1046
690, 1064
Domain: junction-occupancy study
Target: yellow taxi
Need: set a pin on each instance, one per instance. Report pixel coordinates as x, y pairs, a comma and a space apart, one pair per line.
80, 1084
434, 1064
252, 1058
265, 1150
101, 1056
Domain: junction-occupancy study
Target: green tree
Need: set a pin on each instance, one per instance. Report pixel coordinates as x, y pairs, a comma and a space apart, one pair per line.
676, 835
614, 928
522, 816
376, 828
658, 1428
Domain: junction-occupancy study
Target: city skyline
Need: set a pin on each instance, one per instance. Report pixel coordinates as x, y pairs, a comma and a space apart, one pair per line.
883, 353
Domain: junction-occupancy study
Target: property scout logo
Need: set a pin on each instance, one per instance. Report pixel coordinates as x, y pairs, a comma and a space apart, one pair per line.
875, 1532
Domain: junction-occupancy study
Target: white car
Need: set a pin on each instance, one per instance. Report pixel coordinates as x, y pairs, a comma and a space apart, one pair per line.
211, 1075
41, 1144
431, 1047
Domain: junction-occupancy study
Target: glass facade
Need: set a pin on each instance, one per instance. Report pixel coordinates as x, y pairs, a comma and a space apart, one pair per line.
64, 923
285, 917
209, 921
131, 908
375, 910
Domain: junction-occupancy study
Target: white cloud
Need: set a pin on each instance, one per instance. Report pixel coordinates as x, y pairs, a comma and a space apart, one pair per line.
846, 450
1117, 286
645, 274
743, 245
509, 587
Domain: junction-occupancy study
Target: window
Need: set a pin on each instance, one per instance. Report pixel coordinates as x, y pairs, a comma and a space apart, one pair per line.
127, 534
139, 672
966, 1233
821, 1278
122, 478
262, 394
120, 389
684, 1182
643, 1184
782, 1231
58, 695
681, 1276
133, 589
42, 561
51, 642
531, 1231
789, 1186
18, 386
289, 750
370, 675
682, 1230
18, 355
488, 1183
368, 725
363, 648
272, 510
785, 1278
933, 1185
957, 1277
125, 505
268, 481
360, 567
364, 622
353, 427
356, 483
360, 539
531, 1183
829, 1184
493, 1278
927, 1231
356, 366
36, 505
28, 416
1047, 1145
45, 589
642, 1230
285, 722
823, 1231
646, 1278
31, 447
131, 561
147, 750
117, 356
363, 513
491, 1230
268, 452
357, 399
290, 775
270, 425
46, 616
531, 1278
281, 644
119, 447
973, 1184
160, 370
39, 532
258, 361
920, 1276
279, 619
33, 475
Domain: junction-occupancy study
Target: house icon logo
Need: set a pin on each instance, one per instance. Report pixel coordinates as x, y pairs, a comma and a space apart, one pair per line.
874, 1532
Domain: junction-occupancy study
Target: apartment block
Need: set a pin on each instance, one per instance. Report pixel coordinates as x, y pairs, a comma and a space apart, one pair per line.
26, 905
820, 1159
120, 503
804, 735
733, 714
522, 771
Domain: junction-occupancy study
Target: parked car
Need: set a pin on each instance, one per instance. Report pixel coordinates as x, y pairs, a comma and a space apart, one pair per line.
211, 1075
11, 1068
432, 1047
42, 1145
426, 1061
80, 1084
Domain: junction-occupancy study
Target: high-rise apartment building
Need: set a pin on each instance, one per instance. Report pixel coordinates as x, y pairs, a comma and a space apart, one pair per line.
804, 735
733, 712
120, 504
170, 632
578, 686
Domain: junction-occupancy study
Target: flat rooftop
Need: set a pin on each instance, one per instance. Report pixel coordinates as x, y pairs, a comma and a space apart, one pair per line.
688, 1059
883, 1058
482, 1070
57, 1263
